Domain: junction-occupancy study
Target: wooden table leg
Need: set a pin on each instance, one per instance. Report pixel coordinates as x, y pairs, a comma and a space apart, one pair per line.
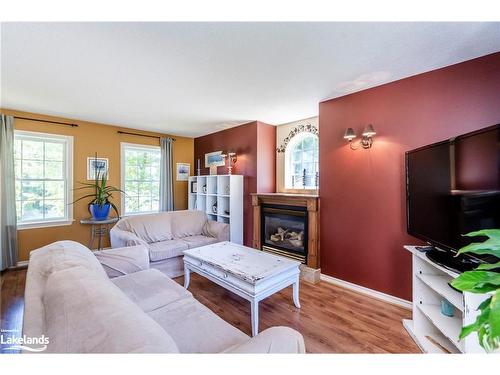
92, 237
296, 293
254, 307
186, 277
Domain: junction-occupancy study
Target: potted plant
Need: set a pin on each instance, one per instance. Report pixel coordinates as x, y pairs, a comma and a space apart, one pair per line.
482, 280
100, 204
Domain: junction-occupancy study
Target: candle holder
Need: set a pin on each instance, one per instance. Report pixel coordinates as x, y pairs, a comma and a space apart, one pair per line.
232, 160
198, 170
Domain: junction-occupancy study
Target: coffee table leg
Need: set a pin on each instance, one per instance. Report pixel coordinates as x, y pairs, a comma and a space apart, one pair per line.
186, 276
296, 293
254, 307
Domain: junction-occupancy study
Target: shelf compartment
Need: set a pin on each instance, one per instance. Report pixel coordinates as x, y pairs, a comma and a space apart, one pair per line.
450, 327
427, 345
439, 284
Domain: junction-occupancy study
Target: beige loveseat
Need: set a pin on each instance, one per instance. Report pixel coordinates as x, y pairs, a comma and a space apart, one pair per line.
71, 301
167, 235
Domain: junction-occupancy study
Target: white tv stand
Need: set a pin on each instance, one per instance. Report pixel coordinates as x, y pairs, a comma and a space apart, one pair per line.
430, 329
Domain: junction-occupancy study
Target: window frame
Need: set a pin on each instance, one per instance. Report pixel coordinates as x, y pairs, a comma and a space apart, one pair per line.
68, 170
123, 147
288, 165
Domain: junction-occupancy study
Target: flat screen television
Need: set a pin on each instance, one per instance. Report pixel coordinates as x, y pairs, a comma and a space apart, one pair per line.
452, 188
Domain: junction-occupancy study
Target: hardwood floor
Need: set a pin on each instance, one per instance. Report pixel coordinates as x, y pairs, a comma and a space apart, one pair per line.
332, 319
12, 304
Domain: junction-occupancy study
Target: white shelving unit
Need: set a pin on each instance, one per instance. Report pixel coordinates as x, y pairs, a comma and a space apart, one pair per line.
433, 331
225, 192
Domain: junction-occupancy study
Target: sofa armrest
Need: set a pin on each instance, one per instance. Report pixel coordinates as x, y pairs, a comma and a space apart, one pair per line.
216, 230
123, 260
121, 238
272, 340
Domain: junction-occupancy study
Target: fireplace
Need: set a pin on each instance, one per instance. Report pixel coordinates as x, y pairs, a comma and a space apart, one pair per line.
284, 230
288, 225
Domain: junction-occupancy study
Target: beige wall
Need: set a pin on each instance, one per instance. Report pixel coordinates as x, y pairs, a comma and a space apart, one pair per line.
282, 132
90, 138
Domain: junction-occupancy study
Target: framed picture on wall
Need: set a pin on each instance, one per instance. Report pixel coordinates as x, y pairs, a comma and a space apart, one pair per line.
214, 159
183, 170
96, 167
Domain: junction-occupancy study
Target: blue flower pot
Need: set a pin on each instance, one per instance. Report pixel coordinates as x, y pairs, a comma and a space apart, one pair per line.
100, 212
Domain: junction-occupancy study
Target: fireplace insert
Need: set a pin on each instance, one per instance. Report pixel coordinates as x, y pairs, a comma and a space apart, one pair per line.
284, 230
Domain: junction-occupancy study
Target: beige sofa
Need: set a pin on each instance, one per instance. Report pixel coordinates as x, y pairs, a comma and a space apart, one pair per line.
167, 234
71, 301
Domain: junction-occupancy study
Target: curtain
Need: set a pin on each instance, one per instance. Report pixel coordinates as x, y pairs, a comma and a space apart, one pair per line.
166, 175
8, 226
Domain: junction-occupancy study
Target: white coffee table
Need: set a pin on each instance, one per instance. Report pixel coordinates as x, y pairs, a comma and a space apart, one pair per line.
249, 273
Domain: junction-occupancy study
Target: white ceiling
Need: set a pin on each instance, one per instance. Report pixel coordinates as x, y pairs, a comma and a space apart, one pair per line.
196, 78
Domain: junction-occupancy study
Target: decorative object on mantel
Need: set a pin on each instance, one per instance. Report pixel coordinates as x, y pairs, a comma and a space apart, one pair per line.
183, 171
298, 129
366, 140
198, 170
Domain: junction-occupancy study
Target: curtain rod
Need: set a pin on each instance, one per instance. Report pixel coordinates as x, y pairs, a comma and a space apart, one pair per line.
142, 135
47, 121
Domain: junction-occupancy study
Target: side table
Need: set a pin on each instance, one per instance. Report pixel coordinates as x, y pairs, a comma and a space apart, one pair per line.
99, 229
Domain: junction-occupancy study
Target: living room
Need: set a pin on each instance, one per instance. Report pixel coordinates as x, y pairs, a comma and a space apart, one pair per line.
191, 187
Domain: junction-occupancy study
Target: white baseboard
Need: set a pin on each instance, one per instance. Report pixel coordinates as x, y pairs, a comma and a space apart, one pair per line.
370, 292
21, 264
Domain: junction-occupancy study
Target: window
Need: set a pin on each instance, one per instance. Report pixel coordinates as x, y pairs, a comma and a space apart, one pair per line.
43, 173
301, 162
140, 178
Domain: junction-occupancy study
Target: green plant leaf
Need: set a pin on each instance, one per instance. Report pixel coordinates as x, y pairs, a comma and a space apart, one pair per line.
488, 266
477, 281
490, 233
467, 330
485, 304
489, 247
494, 318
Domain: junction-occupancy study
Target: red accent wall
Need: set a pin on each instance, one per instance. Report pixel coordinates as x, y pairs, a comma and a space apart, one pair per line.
363, 224
254, 144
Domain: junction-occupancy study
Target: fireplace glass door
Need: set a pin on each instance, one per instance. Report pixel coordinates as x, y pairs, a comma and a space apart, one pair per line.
284, 231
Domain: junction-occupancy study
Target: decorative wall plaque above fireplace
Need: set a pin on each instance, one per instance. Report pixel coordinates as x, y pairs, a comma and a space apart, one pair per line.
287, 225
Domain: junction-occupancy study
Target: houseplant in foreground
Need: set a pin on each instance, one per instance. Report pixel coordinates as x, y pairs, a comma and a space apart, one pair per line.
100, 204
483, 280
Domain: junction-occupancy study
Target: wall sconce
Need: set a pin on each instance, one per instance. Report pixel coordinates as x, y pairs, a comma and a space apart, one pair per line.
366, 140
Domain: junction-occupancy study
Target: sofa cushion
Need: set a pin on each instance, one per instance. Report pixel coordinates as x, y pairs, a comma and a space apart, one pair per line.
150, 227
166, 249
200, 240
62, 255
195, 328
188, 223
89, 314
150, 289
124, 260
